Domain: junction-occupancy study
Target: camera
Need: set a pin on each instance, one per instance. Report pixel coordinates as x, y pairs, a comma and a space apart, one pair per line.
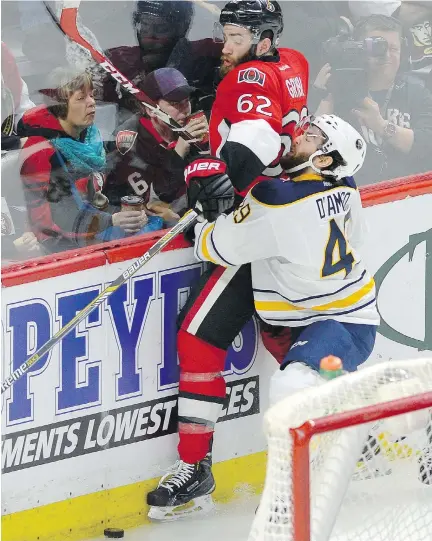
344, 53
348, 60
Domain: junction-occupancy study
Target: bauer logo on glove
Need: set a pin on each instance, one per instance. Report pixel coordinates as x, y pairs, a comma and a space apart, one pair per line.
209, 185
203, 167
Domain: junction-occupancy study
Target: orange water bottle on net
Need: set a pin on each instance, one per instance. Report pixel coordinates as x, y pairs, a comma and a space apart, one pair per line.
331, 367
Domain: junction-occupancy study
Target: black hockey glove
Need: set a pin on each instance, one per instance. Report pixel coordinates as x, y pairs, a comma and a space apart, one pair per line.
210, 186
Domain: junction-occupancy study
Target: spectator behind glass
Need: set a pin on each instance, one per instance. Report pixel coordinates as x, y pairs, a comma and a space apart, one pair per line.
308, 24
62, 172
359, 9
14, 100
199, 59
395, 116
158, 25
17, 241
149, 158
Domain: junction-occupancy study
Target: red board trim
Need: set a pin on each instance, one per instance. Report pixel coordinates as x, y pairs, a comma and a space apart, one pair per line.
36, 270
396, 189
123, 250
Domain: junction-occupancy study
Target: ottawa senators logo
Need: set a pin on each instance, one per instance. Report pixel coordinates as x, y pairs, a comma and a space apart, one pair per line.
125, 140
251, 75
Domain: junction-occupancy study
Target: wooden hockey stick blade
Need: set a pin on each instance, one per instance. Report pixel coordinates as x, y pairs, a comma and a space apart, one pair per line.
186, 221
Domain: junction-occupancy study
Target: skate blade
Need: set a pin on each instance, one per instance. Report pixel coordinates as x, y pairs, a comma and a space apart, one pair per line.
197, 506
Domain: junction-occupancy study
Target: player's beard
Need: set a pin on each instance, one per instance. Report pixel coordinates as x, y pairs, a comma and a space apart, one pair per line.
293, 160
224, 70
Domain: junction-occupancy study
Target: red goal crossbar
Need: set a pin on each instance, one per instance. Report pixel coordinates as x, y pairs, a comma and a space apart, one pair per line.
302, 435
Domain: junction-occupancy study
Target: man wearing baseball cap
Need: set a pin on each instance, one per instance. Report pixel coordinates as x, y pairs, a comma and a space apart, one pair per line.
149, 157
166, 83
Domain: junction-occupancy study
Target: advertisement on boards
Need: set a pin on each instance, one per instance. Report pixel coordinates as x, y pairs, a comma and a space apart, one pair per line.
110, 386
398, 250
99, 411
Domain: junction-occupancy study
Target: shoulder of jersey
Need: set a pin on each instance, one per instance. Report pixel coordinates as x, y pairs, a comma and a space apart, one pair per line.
292, 68
350, 182
286, 55
276, 192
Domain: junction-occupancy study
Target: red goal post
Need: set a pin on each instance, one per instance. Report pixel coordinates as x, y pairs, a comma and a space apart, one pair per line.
303, 434
351, 459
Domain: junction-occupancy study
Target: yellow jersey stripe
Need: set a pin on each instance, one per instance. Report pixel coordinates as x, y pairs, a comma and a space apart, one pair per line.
284, 306
276, 306
204, 247
354, 298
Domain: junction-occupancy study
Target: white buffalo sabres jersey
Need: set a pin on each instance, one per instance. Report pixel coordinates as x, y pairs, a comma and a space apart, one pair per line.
302, 238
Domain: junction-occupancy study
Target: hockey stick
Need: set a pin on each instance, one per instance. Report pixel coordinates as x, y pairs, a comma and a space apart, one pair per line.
184, 222
68, 25
208, 6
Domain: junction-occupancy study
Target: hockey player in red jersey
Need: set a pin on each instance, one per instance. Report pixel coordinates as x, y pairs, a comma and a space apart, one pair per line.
262, 95
261, 98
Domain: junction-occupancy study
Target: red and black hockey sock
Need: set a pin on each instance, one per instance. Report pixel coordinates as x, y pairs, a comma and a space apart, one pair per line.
201, 395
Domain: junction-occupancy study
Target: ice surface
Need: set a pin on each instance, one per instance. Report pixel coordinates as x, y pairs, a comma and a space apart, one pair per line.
229, 522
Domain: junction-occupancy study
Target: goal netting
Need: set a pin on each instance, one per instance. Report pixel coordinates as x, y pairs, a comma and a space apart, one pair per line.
351, 459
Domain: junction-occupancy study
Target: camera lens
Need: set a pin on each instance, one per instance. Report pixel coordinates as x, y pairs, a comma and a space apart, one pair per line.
375, 46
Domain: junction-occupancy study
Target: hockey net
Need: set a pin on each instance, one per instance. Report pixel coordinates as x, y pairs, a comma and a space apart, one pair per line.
351, 459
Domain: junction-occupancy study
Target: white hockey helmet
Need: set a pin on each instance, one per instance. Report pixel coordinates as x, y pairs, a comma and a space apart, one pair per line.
339, 136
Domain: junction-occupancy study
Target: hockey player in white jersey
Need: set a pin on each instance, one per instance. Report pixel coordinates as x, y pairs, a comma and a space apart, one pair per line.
303, 238
291, 254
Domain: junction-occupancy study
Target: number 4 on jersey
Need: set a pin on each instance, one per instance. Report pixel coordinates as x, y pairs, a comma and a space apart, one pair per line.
342, 260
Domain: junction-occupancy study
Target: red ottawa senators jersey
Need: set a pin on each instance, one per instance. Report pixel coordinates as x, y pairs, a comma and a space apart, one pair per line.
257, 106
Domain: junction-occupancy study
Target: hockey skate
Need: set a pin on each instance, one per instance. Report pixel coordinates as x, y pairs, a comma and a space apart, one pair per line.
186, 489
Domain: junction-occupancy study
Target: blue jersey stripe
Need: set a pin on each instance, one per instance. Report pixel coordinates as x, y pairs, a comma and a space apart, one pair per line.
280, 192
314, 296
217, 252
